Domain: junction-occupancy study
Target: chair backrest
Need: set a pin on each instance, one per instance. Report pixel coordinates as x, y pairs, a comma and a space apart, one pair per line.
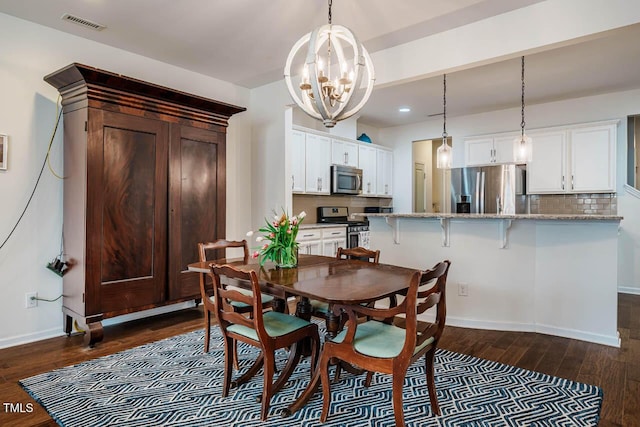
221, 245
359, 253
417, 301
224, 295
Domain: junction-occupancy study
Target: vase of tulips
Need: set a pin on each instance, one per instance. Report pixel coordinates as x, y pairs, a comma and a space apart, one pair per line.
279, 240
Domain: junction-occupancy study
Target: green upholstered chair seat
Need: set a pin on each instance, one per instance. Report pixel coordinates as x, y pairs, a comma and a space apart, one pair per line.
265, 298
275, 323
377, 339
319, 306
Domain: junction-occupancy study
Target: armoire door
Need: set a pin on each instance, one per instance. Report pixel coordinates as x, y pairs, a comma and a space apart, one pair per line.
197, 201
126, 211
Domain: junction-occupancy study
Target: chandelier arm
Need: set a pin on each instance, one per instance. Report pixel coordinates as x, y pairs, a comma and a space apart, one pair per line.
304, 104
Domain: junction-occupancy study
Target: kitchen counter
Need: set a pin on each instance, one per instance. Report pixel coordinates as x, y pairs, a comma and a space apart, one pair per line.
541, 217
553, 274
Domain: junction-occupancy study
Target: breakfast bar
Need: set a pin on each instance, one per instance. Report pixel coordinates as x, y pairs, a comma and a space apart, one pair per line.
553, 274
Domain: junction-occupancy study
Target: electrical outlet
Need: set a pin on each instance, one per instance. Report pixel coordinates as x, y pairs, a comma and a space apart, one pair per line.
30, 300
463, 289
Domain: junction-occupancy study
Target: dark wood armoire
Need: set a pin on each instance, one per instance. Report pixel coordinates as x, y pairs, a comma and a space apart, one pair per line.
144, 170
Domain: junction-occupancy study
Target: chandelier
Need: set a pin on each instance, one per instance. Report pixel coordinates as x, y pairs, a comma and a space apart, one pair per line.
332, 85
522, 144
443, 154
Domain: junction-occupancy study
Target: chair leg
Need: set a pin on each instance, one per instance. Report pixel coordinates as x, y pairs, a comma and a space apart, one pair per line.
269, 362
326, 384
236, 361
228, 342
398, 410
207, 330
367, 381
429, 358
250, 373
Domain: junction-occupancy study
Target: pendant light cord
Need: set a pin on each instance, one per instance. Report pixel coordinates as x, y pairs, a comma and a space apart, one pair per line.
330, 4
522, 122
444, 109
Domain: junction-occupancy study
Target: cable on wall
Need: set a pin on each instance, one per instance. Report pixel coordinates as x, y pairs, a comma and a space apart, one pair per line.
35, 187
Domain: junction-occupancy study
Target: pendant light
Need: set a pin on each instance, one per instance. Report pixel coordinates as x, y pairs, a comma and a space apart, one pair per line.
522, 144
331, 87
443, 154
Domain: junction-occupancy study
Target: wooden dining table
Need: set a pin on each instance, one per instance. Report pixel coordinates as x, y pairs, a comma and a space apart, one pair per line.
326, 279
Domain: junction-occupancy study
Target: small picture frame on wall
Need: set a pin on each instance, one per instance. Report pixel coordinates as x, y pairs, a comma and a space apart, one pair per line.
4, 147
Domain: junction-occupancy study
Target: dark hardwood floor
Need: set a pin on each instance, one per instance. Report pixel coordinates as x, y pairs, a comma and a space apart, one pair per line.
616, 370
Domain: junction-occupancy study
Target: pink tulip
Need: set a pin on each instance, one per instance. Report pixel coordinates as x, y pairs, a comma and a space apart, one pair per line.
256, 254
265, 246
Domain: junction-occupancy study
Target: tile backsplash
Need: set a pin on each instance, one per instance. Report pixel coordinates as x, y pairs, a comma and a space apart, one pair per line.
579, 204
310, 203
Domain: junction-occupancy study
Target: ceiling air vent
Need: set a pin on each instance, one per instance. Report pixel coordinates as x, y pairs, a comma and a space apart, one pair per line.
83, 22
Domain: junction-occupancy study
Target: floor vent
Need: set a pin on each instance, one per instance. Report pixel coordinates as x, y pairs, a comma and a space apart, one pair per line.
83, 22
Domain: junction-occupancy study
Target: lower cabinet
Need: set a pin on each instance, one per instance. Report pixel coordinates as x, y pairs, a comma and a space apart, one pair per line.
309, 241
332, 239
321, 241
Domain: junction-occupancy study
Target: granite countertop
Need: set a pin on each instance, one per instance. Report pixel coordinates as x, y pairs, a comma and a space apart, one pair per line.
556, 217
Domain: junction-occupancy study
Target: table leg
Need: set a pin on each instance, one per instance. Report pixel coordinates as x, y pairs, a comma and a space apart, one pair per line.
333, 324
279, 305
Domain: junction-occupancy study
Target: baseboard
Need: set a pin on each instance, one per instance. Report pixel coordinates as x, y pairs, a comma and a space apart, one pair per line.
58, 331
32, 337
613, 341
628, 290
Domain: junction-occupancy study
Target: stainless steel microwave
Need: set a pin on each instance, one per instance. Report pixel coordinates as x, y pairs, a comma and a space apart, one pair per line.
346, 180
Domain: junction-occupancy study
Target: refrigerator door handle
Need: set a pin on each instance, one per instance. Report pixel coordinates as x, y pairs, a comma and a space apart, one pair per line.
481, 192
476, 194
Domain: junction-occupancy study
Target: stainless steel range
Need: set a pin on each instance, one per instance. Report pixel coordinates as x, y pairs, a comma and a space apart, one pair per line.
357, 230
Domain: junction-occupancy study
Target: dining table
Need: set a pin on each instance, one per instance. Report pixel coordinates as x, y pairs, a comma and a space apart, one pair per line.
325, 279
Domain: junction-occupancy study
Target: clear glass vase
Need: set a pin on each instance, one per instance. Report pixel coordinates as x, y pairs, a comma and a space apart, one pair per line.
287, 257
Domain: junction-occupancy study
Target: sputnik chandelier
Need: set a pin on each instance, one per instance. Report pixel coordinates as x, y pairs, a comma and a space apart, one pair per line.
331, 86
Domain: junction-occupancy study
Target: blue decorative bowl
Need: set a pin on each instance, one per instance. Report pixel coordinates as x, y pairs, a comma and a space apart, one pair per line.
364, 138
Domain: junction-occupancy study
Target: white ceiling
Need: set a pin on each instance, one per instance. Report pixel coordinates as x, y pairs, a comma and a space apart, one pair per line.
246, 42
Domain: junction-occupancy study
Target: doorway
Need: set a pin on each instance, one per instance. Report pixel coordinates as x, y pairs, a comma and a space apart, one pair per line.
430, 184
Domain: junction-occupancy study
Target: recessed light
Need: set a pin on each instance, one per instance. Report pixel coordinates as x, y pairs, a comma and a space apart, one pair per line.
404, 109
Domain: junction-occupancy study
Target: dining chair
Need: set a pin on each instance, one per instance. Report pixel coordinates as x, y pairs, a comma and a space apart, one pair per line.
219, 246
268, 331
383, 346
321, 309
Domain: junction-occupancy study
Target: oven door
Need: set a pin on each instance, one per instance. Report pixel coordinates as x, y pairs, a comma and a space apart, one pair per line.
353, 239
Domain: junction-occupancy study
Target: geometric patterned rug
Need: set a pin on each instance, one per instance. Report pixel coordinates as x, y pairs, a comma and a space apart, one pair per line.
172, 383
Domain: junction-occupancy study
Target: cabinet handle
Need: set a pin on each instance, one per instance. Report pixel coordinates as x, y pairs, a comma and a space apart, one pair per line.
307, 235
563, 182
293, 182
319, 184
368, 188
386, 189
572, 181
346, 158
335, 232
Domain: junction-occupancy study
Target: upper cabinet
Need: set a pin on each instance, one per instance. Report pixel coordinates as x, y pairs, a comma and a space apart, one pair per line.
344, 153
317, 164
367, 158
313, 153
384, 172
298, 155
489, 150
576, 159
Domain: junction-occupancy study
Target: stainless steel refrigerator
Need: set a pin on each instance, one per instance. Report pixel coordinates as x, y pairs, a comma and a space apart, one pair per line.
497, 189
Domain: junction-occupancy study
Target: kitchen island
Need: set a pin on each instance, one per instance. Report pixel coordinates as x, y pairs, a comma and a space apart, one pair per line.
553, 274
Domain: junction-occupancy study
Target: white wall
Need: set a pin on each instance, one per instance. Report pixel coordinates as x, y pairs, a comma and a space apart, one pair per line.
616, 105
27, 115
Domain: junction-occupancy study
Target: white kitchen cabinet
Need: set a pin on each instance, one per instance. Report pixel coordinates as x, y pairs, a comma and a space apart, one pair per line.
332, 239
367, 158
593, 159
546, 172
489, 150
309, 241
344, 153
317, 164
298, 155
384, 172
576, 159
